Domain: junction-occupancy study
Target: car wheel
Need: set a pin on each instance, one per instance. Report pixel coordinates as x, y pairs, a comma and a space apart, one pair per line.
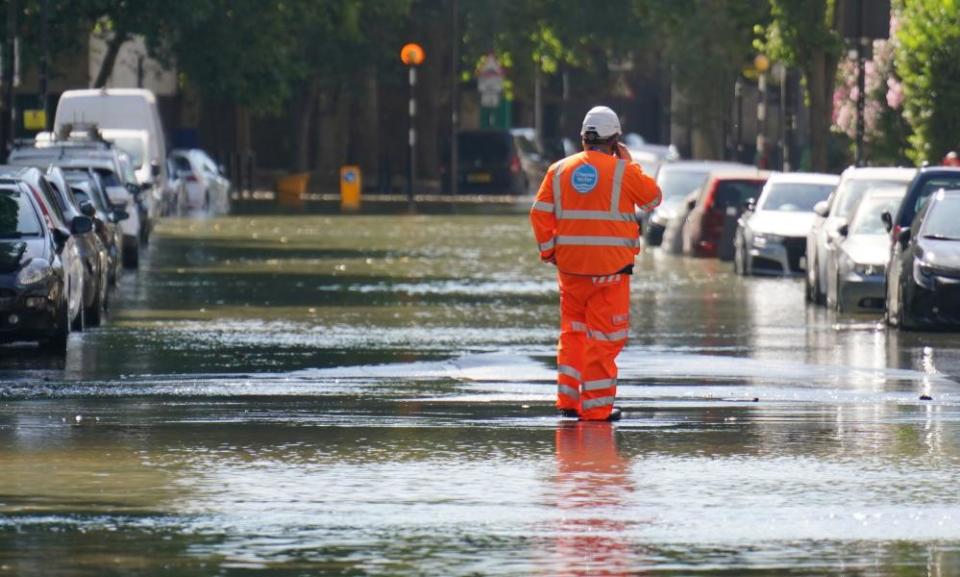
131, 252
57, 343
93, 315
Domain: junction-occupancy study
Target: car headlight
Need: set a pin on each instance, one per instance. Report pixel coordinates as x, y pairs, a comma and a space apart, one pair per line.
761, 240
923, 274
37, 270
868, 269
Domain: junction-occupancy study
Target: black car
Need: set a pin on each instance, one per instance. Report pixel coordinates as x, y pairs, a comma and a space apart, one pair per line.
928, 282
490, 163
927, 181
33, 299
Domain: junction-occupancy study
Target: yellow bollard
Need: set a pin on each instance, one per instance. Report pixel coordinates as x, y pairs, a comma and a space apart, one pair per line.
350, 186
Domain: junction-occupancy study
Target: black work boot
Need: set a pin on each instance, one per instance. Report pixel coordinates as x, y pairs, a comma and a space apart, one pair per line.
569, 413
615, 414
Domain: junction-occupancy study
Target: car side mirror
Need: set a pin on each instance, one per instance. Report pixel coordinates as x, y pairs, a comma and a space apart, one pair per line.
146, 186
822, 209
222, 169
118, 195
155, 169
81, 224
904, 237
134, 188
60, 237
887, 219
120, 215
87, 209
844, 230
691, 204
750, 205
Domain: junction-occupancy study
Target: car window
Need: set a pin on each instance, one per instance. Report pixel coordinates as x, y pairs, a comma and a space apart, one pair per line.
483, 148
17, 215
182, 164
943, 219
867, 218
676, 184
933, 185
108, 177
734, 193
55, 201
794, 196
851, 192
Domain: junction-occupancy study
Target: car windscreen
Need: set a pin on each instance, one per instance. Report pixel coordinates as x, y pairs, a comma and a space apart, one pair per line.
794, 196
17, 216
866, 220
931, 186
108, 177
677, 184
735, 192
851, 192
484, 148
943, 219
132, 146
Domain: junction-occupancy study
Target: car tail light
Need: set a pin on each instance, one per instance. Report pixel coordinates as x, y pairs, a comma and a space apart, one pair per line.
192, 178
515, 164
896, 231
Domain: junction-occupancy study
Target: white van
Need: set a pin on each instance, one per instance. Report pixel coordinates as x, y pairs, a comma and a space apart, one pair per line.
120, 108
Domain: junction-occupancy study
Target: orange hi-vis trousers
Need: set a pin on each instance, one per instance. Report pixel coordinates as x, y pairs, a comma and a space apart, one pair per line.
594, 326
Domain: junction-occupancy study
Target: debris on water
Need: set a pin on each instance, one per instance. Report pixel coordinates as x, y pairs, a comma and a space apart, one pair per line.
78, 418
926, 398
524, 406
756, 399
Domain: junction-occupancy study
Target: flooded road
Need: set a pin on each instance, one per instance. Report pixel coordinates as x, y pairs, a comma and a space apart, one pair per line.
373, 396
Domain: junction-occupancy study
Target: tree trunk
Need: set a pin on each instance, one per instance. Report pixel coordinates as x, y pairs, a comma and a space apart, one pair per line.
110, 58
304, 111
820, 74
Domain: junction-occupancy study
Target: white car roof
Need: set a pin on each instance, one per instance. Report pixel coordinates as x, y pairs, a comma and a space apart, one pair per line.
804, 178
885, 173
146, 94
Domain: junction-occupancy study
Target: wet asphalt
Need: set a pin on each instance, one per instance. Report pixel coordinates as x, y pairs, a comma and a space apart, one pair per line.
372, 395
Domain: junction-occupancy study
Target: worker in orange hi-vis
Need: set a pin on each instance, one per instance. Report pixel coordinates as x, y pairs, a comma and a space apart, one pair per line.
584, 221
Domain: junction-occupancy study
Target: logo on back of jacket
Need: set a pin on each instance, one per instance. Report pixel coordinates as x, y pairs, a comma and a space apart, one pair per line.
584, 178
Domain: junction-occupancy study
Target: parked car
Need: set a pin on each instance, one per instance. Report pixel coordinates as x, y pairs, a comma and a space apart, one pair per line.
56, 193
533, 160
771, 236
677, 180
651, 157
835, 212
855, 271
490, 163
66, 233
106, 161
146, 168
34, 299
174, 198
928, 181
723, 196
206, 186
121, 109
86, 186
672, 241
928, 276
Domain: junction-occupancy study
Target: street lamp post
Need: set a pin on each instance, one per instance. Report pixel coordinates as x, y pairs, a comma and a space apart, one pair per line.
412, 55
762, 64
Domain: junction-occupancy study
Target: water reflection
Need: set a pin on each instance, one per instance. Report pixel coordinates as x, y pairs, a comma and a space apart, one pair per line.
590, 488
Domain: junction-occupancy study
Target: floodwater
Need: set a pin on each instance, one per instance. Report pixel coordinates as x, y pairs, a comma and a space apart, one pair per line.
372, 395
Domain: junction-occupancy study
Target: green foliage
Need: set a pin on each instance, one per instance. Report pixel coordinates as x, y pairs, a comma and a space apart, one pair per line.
798, 30
928, 63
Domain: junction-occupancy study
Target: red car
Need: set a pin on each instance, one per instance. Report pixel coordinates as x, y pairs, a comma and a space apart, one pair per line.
723, 193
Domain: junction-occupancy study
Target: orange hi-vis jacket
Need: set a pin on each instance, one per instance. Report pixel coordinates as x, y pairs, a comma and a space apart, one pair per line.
584, 216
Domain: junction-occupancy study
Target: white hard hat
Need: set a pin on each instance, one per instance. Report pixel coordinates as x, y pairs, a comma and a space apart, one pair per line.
602, 120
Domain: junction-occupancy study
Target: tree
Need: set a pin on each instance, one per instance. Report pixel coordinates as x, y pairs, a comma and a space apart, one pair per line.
804, 33
928, 62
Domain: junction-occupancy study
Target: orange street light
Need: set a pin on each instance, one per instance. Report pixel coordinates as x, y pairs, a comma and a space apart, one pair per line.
412, 54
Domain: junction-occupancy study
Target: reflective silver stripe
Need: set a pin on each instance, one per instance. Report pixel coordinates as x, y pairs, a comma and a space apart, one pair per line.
598, 241
617, 185
568, 391
652, 204
557, 191
578, 326
599, 384
599, 215
614, 336
569, 371
598, 402
543, 206
545, 246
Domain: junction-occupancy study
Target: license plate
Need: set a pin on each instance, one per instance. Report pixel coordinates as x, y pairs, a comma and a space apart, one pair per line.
479, 177
803, 263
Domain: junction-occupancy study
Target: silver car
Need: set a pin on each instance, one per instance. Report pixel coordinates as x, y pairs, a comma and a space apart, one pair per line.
771, 238
855, 280
835, 212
